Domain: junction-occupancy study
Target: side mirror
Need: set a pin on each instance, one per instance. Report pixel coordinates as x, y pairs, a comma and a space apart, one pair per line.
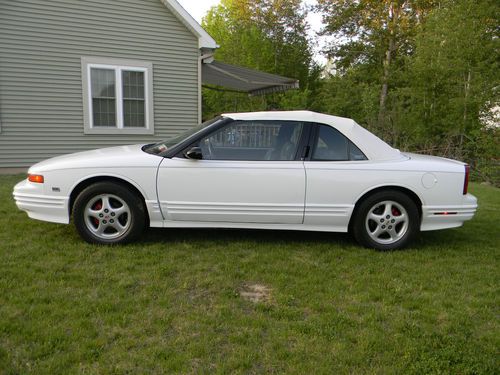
194, 153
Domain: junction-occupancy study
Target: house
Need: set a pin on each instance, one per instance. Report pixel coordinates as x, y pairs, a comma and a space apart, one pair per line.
77, 75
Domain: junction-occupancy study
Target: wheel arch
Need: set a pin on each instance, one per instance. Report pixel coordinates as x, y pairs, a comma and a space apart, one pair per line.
410, 193
86, 182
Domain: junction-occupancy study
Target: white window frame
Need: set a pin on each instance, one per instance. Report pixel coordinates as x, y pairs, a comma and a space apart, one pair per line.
118, 66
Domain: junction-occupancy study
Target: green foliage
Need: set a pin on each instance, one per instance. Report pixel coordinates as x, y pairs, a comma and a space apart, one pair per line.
421, 74
439, 64
362, 31
268, 35
172, 302
217, 102
454, 70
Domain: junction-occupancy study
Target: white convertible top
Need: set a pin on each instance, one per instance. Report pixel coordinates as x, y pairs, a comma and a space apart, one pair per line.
373, 147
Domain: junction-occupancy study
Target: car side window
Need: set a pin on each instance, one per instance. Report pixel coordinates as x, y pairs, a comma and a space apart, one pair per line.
253, 140
355, 153
331, 145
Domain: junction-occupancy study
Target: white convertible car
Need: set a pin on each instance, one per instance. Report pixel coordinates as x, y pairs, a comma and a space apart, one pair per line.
295, 170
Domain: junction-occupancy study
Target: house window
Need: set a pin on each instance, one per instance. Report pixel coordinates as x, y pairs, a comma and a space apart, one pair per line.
117, 96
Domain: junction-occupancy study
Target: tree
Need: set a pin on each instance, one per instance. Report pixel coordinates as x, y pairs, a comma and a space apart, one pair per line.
455, 68
373, 33
422, 74
268, 35
455, 80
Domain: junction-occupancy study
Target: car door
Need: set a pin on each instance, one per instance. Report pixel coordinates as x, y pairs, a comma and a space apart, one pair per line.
250, 172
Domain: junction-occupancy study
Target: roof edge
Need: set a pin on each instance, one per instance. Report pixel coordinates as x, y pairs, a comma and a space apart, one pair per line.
204, 39
371, 145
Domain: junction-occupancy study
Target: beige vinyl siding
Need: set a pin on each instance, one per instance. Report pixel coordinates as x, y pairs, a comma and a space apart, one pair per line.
41, 46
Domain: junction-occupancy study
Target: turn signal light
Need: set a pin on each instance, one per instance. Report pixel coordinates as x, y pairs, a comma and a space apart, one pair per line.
38, 178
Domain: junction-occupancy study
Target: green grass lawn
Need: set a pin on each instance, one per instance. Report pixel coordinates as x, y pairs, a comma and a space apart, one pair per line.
173, 303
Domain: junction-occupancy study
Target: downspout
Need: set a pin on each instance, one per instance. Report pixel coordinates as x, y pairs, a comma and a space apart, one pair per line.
205, 58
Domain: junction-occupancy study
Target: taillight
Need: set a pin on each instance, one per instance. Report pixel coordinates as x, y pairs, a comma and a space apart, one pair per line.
38, 178
466, 178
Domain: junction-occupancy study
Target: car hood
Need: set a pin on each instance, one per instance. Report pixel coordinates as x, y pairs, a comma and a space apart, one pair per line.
129, 156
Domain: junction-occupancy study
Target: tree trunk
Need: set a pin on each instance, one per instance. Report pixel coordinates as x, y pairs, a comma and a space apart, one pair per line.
466, 98
385, 83
392, 25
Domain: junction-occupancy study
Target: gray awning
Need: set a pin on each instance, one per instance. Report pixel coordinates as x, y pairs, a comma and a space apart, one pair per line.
247, 80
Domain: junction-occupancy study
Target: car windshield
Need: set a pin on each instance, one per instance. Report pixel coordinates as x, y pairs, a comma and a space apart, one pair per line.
157, 148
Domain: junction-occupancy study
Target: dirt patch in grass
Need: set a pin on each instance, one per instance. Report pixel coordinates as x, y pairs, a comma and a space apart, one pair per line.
256, 293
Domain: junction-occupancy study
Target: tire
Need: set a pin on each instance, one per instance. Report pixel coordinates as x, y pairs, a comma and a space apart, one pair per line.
109, 213
386, 220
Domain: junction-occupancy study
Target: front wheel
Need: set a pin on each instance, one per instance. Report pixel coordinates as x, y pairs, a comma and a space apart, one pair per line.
386, 220
108, 213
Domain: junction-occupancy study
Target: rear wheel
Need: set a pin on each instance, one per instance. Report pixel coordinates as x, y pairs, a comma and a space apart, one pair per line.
108, 213
386, 220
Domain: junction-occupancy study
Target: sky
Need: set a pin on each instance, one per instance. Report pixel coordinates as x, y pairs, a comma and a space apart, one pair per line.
198, 8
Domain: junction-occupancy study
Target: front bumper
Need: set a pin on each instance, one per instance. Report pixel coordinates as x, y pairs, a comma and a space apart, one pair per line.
443, 217
30, 197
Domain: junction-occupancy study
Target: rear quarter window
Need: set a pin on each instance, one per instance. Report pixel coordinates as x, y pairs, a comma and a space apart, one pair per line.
331, 145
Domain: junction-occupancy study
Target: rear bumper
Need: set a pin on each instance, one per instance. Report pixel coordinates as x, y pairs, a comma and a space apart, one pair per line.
443, 217
30, 198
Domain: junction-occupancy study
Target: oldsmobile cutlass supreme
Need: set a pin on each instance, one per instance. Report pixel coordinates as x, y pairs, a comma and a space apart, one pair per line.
294, 170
